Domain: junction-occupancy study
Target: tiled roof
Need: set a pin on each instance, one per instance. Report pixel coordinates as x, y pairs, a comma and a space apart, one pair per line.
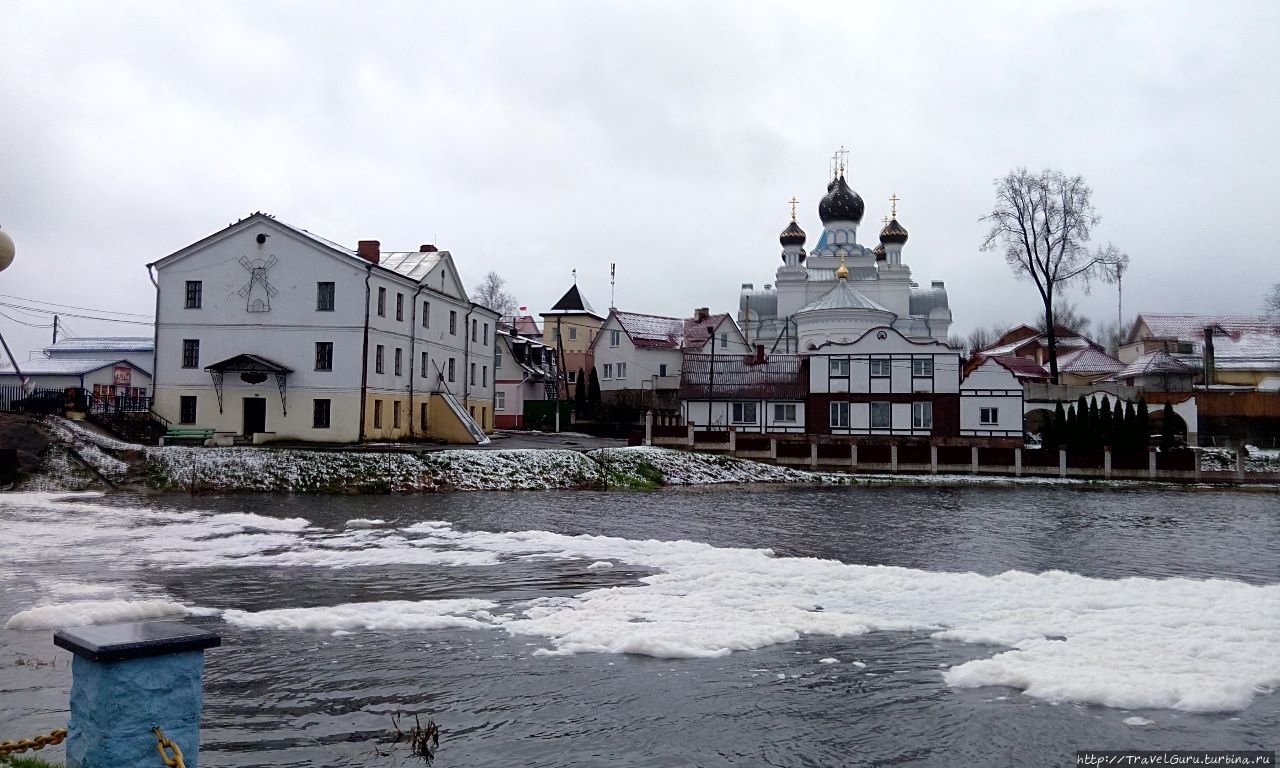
1088, 360
1247, 351
658, 332
63, 366
1191, 327
1022, 367
1153, 364
103, 343
781, 377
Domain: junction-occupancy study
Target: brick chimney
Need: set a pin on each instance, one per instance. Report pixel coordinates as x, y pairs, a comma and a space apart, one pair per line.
701, 313
759, 359
369, 250
1208, 356
428, 248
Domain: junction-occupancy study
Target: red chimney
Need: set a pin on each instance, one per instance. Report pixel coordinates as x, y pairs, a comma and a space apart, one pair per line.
428, 248
369, 250
759, 354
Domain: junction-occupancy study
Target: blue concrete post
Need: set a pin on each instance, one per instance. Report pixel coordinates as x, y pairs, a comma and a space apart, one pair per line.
127, 679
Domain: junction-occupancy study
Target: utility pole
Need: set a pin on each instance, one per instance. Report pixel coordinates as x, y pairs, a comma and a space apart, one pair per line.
560, 349
711, 381
55, 329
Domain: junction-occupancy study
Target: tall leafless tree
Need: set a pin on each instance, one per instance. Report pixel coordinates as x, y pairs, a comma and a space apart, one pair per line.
1271, 305
1042, 222
489, 294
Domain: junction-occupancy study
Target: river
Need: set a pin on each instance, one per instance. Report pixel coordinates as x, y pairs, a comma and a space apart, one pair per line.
883, 626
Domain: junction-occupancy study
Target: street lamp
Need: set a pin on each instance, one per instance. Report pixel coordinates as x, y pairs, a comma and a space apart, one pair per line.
7, 250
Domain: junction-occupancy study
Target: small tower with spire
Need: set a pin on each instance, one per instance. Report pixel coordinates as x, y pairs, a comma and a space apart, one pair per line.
893, 236
792, 240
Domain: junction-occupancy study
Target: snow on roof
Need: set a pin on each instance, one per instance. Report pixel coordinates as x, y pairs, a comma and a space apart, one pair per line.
1248, 350
658, 332
64, 367
842, 296
1185, 327
1071, 341
103, 343
305, 233
781, 377
412, 264
1153, 364
1088, 360
1022, 367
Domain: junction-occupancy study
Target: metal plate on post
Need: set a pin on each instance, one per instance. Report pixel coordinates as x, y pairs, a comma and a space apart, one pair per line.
134, 640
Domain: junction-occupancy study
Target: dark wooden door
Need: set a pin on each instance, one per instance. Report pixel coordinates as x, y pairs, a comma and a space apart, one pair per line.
255, 415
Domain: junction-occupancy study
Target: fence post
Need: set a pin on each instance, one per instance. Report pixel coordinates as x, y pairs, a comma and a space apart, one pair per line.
1241, 454
933, 459
689, 439
648, 427
973, 459
1106, 462
1017, 462
773, 449
853, 455
127, 679
1195, 455
813, 453
893, 458
733, 441
1151, 463
1062, 462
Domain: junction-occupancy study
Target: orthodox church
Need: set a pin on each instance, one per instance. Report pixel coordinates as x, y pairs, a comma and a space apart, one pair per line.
842, 288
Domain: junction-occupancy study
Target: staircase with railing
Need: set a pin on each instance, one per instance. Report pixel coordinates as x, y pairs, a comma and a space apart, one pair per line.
128, 418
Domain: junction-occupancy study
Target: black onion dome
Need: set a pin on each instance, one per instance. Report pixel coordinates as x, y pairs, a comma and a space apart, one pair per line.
841, 204
879, 252
792, 235
893, 232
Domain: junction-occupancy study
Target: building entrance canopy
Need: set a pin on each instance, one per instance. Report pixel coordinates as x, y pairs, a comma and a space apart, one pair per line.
253, 369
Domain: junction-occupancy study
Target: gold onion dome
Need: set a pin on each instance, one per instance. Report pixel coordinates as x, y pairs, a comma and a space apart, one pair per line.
792, 235
840, 203
842, 271
879, 252
893, 233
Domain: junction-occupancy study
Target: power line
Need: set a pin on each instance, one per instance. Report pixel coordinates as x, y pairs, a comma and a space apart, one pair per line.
73, 314
23, 322
71, 306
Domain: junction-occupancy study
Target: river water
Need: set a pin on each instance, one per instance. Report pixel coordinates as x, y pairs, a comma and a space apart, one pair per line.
745, 626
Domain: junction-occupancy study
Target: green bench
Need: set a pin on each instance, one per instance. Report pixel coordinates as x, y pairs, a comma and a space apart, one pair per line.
187, 433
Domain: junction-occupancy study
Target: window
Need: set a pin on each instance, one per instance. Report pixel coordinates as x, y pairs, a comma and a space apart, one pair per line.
662, 369
187, 409
324, 297
497, 359
473, 374
399, 361
608, 371
484, 337
989, 415
840, 414
500, 401
881, 416
880, 367
377, 414
324, 355
474, 333
744, 413
922, 415
194, 290
400, 307
839, 366
622, 370
615, 338
395, 415
484, 375
922, 366
320, 413
382, 302
377, 360
422, 411
425, 368
453, 323
451, 367
571, 377
724, 339
573, 333
784, 412
190, 353
426, 314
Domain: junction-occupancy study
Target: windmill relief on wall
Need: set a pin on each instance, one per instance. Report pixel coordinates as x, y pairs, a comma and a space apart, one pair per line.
258, 292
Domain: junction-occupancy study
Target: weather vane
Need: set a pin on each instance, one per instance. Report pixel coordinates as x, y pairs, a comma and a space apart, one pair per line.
575, 275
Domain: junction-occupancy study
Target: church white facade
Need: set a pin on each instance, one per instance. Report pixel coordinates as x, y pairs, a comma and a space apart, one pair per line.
879, 283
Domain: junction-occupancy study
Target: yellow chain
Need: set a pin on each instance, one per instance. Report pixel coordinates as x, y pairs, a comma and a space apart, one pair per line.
39, 742
163, 743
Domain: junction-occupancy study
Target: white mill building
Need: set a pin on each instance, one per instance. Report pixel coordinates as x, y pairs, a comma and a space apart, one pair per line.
879, 282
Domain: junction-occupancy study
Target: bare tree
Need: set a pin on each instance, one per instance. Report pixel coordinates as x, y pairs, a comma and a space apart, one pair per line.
1043, 222
1271, 305
1111, 334
489, 294
1066, 315
984, 336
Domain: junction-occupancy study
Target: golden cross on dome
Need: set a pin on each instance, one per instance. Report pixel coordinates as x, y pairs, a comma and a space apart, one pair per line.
843, 155
884, 220
893, 199
794, 202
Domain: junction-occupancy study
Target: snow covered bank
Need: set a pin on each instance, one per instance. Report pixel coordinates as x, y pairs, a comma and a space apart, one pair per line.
1224, 459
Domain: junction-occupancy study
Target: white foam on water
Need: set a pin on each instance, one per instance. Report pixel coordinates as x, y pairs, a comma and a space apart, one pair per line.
381, 615
600, 565
365, 522
262, 522
1138, 721
861, 665
86, 612
828, 660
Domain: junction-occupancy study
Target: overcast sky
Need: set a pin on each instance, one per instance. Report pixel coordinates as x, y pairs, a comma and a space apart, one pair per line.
532, 138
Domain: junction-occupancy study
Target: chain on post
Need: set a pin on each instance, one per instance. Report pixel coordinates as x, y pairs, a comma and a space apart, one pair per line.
39, 742
162, 744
